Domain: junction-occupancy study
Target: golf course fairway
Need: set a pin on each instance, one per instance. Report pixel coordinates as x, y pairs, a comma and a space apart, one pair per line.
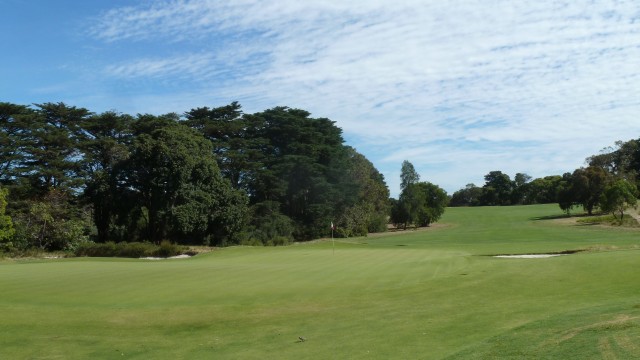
435, 293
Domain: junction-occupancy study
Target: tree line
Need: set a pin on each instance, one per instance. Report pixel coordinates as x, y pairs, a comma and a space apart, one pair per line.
609, 183
213, 176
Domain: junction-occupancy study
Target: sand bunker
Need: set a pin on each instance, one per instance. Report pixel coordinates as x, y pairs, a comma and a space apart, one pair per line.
172, 257
529, 256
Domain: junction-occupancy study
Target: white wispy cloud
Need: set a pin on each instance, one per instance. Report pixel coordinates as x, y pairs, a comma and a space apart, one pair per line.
516, 86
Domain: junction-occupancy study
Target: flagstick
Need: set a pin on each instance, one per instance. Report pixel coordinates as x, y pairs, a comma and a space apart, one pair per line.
333, 242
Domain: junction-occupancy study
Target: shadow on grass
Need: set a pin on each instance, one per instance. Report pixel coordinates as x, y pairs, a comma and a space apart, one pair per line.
563, 252
550, 217
558, 216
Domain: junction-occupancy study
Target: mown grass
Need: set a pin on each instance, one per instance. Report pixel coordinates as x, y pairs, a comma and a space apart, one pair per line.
417, 294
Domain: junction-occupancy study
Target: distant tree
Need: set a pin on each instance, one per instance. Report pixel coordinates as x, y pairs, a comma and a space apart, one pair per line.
408, 175
399, 214
468, 196
582, 187
412, 200
543, 190
435, 202
622, 161
587, 186
520, 188
619, 196
566, 197
497, 189
420, 204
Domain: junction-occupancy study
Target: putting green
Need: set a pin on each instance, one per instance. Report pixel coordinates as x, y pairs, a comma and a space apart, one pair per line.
417, 294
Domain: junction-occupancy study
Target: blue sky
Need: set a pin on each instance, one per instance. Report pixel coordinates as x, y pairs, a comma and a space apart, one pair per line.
459, 88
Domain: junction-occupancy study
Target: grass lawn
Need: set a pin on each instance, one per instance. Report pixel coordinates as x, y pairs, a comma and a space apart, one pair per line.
429, 294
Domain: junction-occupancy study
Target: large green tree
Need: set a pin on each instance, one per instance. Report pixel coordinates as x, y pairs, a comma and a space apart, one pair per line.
408, 175
468, 196
588, 185
618, 197
497, 189
106, 146
14, 137
370, 212
582, 187
152, 178
6, 225
173, 177
520, 188
236, 138
543, 190
55, 135
420, 203
435, 201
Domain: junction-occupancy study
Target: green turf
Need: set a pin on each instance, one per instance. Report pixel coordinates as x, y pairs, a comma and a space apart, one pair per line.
412, 295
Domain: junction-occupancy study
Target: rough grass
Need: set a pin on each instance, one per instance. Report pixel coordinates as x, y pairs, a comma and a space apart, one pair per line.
626, 221
427, 294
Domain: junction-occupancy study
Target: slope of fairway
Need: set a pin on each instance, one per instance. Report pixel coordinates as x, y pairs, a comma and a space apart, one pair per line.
427, 294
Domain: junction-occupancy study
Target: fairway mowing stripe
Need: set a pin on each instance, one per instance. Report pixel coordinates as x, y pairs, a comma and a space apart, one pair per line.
604, 346
625, 342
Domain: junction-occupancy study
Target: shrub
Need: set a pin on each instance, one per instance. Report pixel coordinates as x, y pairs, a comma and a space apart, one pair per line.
129, 250
135, 249
626, 221
96, 250
167, 249
279, 241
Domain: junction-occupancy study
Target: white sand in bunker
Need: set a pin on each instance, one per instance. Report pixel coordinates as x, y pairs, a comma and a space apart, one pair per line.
172, 257
529, 256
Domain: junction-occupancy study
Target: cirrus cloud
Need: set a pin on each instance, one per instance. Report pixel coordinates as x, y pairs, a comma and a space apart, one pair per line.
459, 88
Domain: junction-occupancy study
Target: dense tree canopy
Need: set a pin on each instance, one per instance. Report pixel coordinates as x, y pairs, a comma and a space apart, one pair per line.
213, 176
499, 189
467, 196
221, 176
6, 225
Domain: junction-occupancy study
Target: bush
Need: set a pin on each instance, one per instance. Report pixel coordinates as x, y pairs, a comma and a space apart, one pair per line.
627, 220
128, 250
96, 250
167, 249
279, 241
134, 249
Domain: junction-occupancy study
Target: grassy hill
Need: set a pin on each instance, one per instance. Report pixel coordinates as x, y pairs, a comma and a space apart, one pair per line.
428, 294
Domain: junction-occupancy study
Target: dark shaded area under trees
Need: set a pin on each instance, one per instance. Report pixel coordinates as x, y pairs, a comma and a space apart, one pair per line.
215, 176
